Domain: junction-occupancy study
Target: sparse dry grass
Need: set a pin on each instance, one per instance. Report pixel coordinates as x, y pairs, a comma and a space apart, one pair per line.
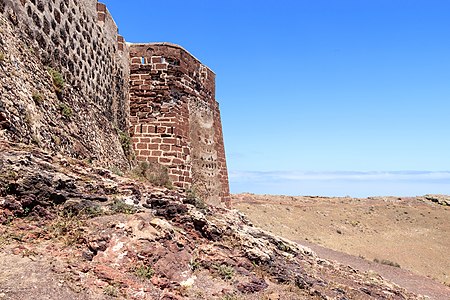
154, 173
120, 207
38, 98
111, 291
386, 262
224, 271
68, 228
58, 80
143, 271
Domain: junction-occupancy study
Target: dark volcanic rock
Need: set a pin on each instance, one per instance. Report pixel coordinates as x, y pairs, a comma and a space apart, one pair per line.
255, 285
170, 249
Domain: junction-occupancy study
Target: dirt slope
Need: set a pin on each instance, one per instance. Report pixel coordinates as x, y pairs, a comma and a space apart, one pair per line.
410, 232
411, 281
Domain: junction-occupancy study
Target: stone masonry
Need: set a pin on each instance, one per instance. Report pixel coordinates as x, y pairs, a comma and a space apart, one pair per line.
175, 118
80, 39
159, 90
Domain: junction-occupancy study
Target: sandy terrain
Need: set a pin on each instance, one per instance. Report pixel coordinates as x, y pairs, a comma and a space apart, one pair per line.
410, 232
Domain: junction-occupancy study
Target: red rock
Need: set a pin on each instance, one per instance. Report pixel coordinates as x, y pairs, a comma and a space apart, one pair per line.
170, 296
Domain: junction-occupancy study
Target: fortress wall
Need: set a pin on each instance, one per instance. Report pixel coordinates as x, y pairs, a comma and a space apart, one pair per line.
164, 92
176, 120
78, 38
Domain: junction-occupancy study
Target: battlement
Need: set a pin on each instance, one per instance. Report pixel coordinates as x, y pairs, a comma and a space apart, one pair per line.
170, 45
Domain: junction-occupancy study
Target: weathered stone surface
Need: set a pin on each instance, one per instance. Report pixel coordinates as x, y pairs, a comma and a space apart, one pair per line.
84, 110
80, 114
215, 253
176, 119
253, 286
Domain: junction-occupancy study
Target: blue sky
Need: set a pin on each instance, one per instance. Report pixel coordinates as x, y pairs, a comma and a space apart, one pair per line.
319, 87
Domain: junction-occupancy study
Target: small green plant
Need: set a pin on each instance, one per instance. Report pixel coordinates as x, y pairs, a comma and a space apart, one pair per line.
144, 272
65, 110
193, 199
82, 210
111, 291
120, 207
56, 139
67, 227
58, 80
194, 264
125, 142
225, 272
38, 98
115, 170
154, 173
386, 262
92, 211
283, 247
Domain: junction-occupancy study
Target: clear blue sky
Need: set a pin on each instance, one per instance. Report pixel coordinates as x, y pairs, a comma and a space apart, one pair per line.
319, 97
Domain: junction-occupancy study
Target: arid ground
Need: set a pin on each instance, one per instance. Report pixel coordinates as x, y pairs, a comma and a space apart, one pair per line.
410, 232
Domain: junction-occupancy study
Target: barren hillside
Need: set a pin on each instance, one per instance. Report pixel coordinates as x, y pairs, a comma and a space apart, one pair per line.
408, 233
73, 231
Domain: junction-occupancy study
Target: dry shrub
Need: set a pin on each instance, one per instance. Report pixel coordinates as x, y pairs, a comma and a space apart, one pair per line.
386, 262
154, 173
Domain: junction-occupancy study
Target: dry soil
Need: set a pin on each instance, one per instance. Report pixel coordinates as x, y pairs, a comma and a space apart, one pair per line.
410, 232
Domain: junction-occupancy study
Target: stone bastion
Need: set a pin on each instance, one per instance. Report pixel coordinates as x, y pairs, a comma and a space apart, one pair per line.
158, 92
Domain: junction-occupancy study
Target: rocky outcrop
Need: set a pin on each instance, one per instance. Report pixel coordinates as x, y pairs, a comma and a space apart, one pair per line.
112, 235
439, 199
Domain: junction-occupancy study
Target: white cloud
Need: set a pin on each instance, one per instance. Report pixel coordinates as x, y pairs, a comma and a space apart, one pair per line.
347, 176
356, 184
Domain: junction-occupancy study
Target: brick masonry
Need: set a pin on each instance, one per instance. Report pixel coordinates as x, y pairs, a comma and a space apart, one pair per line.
176, 119
159, 90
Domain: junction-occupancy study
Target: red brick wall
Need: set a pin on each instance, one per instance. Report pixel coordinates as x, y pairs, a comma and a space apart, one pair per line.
176, 119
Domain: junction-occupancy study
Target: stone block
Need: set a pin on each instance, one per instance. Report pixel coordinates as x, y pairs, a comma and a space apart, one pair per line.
141, 146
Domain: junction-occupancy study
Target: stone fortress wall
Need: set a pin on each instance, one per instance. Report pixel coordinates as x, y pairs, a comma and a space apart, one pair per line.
160, 89
176, 119
80, 39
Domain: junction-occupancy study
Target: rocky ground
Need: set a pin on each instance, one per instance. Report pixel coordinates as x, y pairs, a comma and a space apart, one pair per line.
73, 231
404, 239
